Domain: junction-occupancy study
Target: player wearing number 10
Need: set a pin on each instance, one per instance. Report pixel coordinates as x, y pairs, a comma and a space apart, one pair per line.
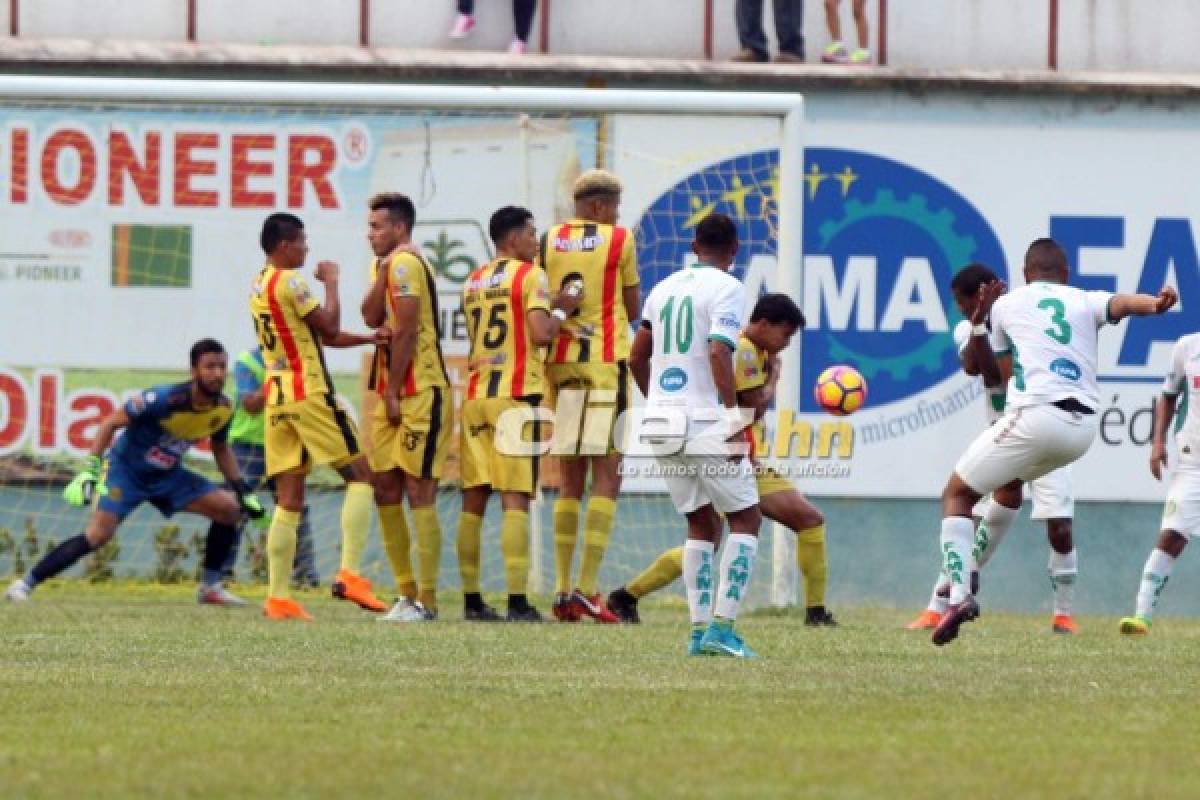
1049, 331
589, 362
305, 425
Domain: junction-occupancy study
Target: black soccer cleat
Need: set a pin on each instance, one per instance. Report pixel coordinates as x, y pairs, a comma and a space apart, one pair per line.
955, 616
624, 605
483, 613
819, 616
526, 614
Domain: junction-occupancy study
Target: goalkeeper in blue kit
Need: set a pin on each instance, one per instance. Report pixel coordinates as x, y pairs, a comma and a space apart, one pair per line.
145, 465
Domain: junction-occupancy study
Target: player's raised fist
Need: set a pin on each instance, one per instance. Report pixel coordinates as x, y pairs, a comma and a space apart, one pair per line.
328, 271
1167, 298
382, 335
570, 296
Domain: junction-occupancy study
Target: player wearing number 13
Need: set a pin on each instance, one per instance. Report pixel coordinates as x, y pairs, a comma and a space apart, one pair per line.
305, 425
1048, 332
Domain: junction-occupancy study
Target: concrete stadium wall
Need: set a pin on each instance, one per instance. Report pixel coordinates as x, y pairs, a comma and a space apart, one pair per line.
1106, 35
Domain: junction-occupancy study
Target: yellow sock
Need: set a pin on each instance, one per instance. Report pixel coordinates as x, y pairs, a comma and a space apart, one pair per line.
281, 551
429, 554
810, 556
356, 523
665, 569
469, 528
566, 530
514, 544
597, 527
398, 545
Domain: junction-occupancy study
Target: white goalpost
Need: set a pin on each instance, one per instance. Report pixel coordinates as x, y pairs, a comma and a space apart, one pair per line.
148, 194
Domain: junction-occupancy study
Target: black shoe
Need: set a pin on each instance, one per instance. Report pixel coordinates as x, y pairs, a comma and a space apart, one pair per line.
947, 629
624, 605
818, 616
484, 613
526, 614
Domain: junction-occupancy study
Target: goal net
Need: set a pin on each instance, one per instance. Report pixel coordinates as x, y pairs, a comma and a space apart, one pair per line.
132, 211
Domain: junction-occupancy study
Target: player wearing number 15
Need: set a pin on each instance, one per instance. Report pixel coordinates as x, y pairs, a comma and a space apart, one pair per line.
1049, 332
588, 364
509, 321
304, 423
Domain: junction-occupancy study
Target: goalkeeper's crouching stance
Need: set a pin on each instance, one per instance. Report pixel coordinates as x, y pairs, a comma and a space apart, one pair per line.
145, 466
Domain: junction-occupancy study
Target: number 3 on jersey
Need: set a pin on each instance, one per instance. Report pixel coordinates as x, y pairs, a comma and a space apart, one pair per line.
682, 326
1061, 332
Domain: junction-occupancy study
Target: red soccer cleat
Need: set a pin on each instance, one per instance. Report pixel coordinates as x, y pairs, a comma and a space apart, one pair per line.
593, 607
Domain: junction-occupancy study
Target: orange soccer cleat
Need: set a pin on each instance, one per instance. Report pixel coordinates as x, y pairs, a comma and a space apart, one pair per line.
356, 589
926, 621
284, 608
1064, 624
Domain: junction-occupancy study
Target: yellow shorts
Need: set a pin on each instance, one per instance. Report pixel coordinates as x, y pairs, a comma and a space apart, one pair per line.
315, 430
483, 463
770, 482
588, 399
419, 444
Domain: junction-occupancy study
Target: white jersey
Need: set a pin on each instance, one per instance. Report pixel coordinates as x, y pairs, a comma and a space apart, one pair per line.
684, 311
1184, 378
1051, 330
995, 397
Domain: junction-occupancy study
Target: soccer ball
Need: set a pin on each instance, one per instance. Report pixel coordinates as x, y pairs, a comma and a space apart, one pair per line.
841, 390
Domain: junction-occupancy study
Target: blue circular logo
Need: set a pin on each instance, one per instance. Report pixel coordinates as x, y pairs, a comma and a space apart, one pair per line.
673, 379
881, 242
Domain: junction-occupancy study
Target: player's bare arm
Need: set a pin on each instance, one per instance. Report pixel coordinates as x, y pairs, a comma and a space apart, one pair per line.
543, 325
1164, 412
720, 360
1141, 305
327, 319
403, 342
639, 357
107, 430
631, 296
345, 339
226, 462
374, 304
255, 401
979, 346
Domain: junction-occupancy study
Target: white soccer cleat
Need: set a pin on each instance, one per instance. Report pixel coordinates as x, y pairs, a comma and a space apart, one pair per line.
405, 610
18, 591
217, 595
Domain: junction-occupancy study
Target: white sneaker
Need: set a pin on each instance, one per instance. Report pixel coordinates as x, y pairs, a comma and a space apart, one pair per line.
405, 610
18, 591
518, 48
217, 595
462, 27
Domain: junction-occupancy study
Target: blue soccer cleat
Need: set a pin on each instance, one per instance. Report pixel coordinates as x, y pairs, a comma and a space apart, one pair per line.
696, 642
720, 639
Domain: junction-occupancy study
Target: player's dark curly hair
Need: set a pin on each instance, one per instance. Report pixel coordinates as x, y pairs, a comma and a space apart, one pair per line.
966, 281
778, 309
716, 232
278, 228
507, 219
398, 206
203, 348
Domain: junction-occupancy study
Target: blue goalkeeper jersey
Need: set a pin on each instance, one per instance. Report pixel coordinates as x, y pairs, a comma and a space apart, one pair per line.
163, 427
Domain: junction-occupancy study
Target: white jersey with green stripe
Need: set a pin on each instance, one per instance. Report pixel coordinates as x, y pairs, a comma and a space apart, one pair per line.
1052, 332
684, 312
1183, 381
995, 397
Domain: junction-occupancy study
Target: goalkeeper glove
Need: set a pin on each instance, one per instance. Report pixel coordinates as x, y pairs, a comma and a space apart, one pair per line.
86, 485
250, 504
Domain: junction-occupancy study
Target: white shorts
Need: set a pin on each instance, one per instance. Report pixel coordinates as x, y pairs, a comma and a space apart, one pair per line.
1181, 511
696, 481
1052, 495
1026, 443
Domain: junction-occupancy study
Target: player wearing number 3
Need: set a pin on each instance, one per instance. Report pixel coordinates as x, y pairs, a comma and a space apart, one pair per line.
1047, 333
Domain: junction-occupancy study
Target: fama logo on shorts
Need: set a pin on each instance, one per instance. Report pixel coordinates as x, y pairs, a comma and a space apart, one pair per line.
673, 379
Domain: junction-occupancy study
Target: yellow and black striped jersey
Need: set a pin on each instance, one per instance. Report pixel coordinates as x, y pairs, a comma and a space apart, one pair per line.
604, 257
503, 361
409, 276
291, 349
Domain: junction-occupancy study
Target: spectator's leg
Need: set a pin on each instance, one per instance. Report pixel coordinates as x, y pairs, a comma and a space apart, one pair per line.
789, 26
860, 22
464, 22
750, 28
523, 11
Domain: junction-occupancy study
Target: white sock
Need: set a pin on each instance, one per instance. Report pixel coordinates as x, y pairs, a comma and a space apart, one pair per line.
1154, 579
1064, 568
937, 601
698, 579
737, 563
995, 523
958, 535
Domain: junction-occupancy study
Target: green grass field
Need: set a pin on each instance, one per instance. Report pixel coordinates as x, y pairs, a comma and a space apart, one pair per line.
136, 692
